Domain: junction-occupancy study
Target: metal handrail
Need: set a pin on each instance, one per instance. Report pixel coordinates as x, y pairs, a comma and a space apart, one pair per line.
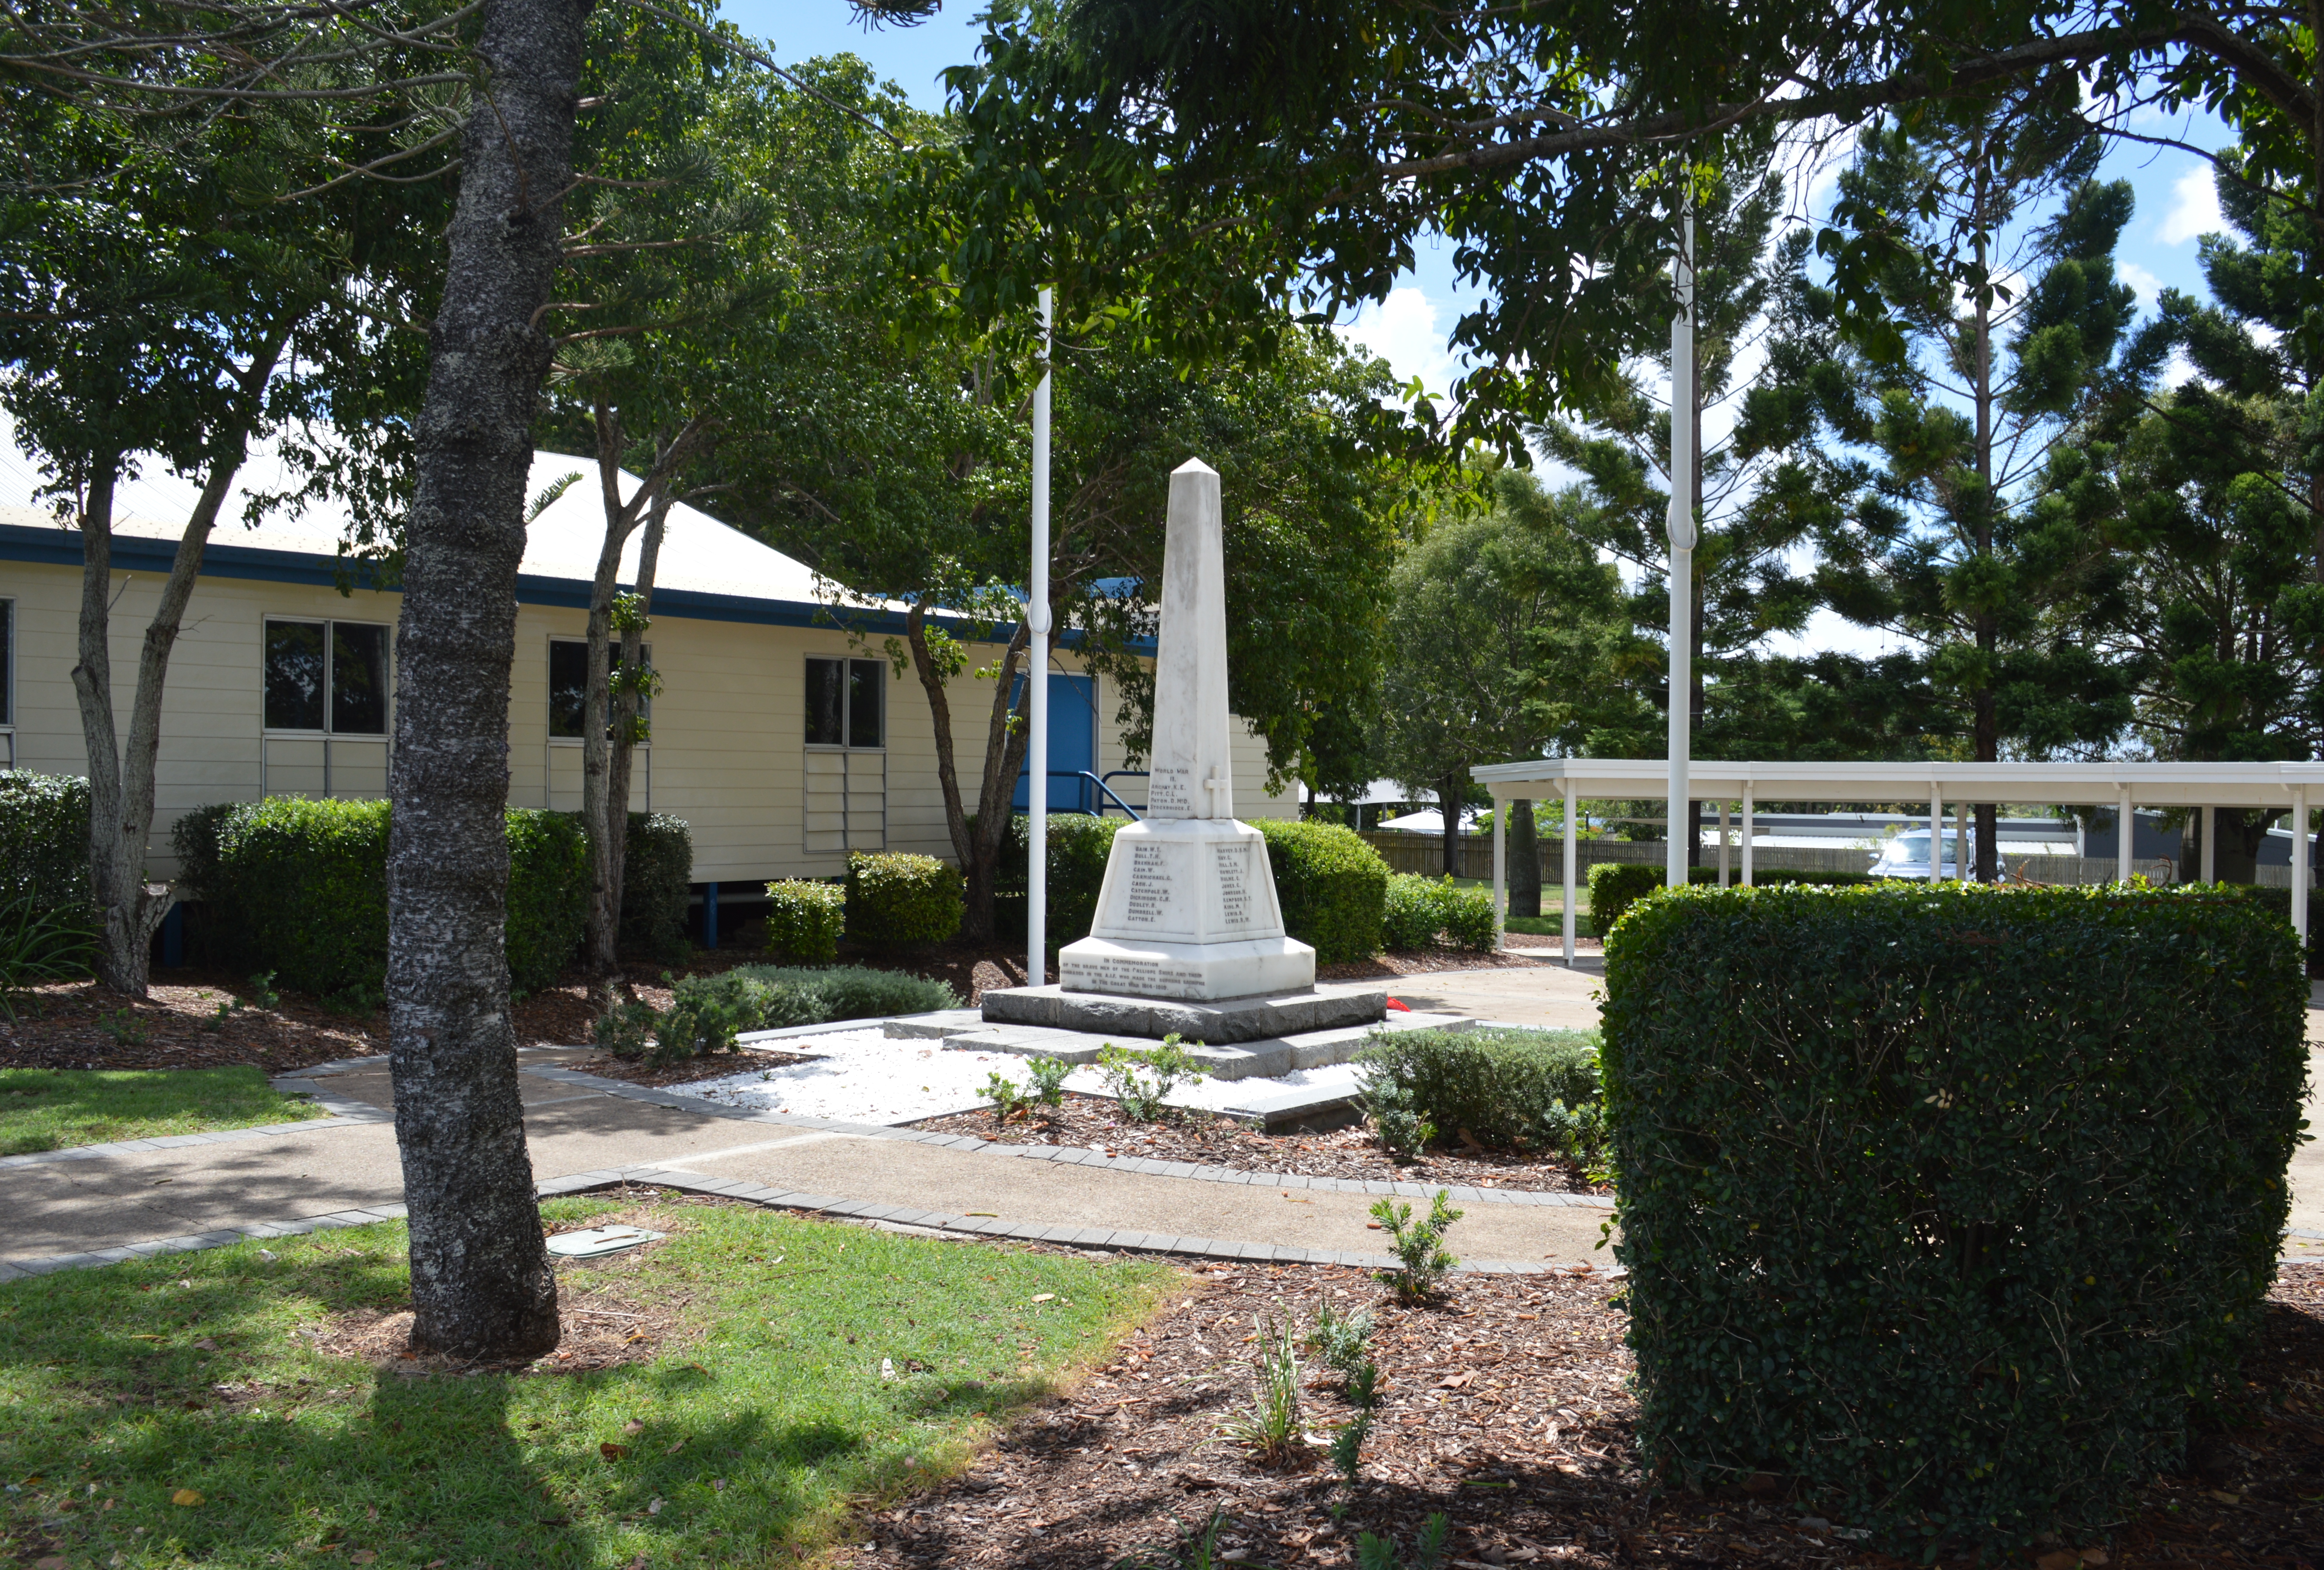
1127, 810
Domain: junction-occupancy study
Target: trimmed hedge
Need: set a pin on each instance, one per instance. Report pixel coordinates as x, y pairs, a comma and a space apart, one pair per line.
1332, 885
1509, 1089
657, 882
2277, 902
44, 839
806, 919
858, 991
897, 898
1616, 885
1419, 911
299, 888
1079, 848
1948, 1203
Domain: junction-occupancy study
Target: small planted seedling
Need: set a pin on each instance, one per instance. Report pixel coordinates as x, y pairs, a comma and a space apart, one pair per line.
1272, 1427
124, 1026
1049, 1076
1344, 1341
1423, 1261
1007, 1096
1142, 1082
262, 991
1428, 1553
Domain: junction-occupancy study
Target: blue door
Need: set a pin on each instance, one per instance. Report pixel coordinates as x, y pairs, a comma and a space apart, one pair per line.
1073, 745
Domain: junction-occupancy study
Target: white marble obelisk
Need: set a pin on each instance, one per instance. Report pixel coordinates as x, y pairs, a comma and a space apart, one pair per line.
1188, 909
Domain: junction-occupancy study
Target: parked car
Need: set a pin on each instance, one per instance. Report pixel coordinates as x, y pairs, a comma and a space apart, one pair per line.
1907, 856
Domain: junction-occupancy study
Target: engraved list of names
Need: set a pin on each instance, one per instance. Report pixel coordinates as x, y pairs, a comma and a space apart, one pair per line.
1153, 891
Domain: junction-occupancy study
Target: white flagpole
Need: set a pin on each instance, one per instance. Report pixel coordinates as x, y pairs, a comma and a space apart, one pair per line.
1682, 546
1037, 672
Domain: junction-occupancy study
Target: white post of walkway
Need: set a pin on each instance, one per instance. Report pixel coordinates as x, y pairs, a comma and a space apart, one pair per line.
1037, 672
2123, 824
1936, 832
2303, 864
1570, 804
1747, 834
1501, 871
1680, 525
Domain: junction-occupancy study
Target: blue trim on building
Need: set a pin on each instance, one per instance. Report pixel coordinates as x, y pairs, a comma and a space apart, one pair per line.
142, 554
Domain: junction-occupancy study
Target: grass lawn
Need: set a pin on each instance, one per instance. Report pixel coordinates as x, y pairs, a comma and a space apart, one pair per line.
47, 1109
1550, 922
180, 1411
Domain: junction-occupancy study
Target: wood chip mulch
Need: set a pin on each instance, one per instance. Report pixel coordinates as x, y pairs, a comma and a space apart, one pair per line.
1507, 1408
1094, 1122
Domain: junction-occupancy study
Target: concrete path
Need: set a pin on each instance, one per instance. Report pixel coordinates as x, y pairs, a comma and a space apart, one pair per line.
94, 1204
70, 1208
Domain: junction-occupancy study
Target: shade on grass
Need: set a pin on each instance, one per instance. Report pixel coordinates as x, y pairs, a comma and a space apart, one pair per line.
47, 1109
756, 1432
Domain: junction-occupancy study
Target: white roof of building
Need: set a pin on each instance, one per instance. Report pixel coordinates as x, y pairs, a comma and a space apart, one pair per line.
698, 553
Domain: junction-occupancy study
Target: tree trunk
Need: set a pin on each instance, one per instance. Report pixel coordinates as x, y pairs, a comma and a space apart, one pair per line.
1694, 833
1448, 806
628, 701
121, 780
481, 1285
977, 846
1525, 860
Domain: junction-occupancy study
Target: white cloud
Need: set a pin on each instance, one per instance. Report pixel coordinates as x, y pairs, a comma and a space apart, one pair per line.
1403, 331
2195, 209
2178, 371
2149, 287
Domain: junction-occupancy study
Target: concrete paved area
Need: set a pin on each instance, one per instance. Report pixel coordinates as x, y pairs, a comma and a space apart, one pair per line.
186, 1192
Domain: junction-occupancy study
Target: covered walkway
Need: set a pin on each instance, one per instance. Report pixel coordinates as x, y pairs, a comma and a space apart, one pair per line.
2290, 787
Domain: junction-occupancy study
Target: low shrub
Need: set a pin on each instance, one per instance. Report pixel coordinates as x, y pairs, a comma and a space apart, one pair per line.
548, 895
299, 888
657, 882
858, 991
42, 944
1419, 914
806, 919
1507, 1089
897, 898
2277, 902
707, 1013
1990, 1182
1079, 846
1616, 885
44, 839
1141, 1080
1332, 885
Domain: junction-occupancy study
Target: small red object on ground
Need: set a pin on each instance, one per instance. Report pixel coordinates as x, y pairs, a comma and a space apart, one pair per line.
1399, 1005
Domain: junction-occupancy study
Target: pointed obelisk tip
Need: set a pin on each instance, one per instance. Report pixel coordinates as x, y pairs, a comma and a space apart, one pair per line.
1195, 466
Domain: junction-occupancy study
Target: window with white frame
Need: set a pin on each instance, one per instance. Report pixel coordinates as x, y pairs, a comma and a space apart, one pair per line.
568, 683
844, 702
327, 678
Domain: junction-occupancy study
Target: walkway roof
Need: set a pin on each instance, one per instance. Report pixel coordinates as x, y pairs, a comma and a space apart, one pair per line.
2185, 785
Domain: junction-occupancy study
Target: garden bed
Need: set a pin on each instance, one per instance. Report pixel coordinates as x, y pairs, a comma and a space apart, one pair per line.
1097, 1123
1506, 1409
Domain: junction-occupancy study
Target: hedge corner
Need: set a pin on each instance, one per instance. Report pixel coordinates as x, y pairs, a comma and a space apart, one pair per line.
1948, 1203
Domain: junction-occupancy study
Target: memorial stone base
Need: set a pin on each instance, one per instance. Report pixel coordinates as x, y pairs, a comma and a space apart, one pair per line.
1223, 1023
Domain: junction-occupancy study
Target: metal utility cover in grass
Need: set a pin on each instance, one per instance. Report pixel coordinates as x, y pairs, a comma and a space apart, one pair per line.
594, 1241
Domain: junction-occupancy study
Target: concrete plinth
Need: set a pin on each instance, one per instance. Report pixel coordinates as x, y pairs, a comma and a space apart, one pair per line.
1216, 1021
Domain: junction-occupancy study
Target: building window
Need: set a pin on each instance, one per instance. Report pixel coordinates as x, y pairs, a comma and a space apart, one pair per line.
328, 678
568, 683
846, 702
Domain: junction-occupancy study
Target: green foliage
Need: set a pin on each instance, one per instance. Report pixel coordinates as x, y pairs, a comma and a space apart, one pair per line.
300, 886
1434, 1547
900, 899
860, 992
657, 882
1508, 1089
1079, 846
44, 839
1344, 1341
806, 919
1331, 885
1049, 1076
1140, 1080
42, 943
1272, 1428
1899, 1140
548, 895
1404, 1130
1007, 1098
1420, 911
1616, 885
626, 1030
707, 1013
1423, 1261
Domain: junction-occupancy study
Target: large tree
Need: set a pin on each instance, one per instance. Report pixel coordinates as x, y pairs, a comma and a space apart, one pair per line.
1507, 637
